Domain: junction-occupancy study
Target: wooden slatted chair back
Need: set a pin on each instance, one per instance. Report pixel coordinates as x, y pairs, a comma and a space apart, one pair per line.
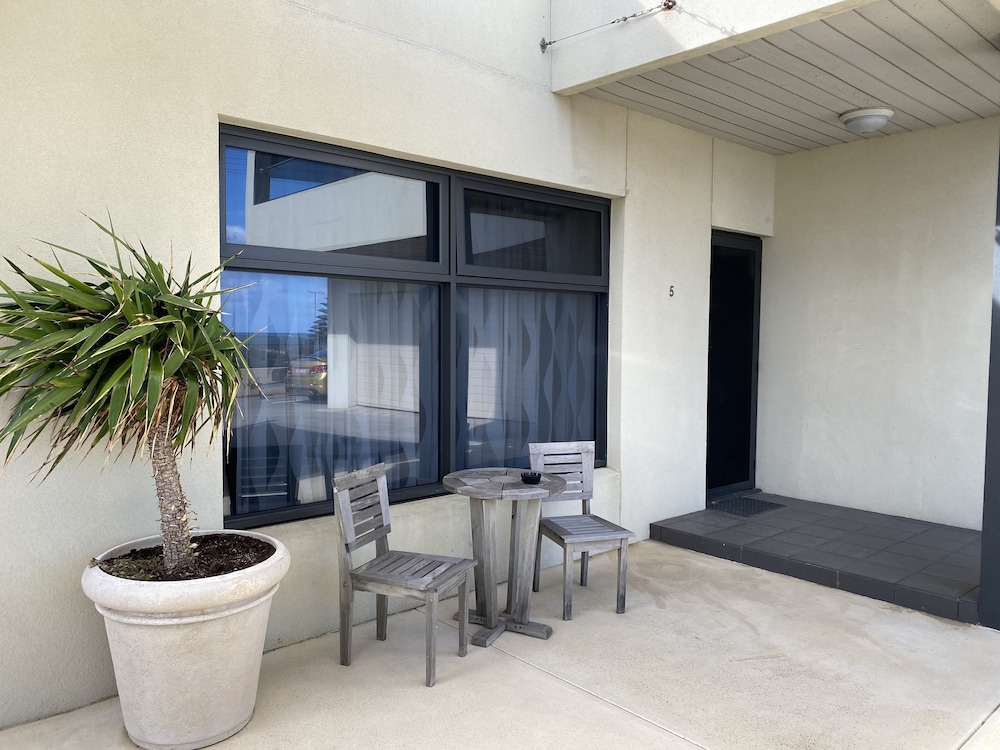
362, 505
573, 461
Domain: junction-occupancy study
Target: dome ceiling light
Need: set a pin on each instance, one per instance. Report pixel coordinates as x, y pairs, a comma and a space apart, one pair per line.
862, 121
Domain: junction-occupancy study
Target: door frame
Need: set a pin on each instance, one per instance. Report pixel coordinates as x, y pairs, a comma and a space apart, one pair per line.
754, 245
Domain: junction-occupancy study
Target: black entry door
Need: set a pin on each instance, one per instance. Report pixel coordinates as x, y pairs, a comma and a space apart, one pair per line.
734, 311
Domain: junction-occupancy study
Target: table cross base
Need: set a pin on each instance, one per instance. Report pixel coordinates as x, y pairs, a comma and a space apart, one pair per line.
485, 636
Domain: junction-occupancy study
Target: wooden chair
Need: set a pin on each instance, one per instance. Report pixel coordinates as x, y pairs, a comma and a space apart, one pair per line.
362, 506
586, 533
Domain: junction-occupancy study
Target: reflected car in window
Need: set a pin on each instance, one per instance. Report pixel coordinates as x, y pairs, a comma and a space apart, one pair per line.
306, 376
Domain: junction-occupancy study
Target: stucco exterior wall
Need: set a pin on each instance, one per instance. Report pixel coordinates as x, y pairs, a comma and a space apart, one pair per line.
742, 189
661, 356
115, 105
875, 324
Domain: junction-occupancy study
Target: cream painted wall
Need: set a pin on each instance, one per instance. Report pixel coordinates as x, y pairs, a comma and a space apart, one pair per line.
114, 105
875, 324
742, 189
659, 347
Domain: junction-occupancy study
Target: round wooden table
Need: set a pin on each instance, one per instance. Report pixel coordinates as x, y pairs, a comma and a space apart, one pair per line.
484, 488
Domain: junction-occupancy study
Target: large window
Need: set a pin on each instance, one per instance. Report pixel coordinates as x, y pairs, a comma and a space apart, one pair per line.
429, 319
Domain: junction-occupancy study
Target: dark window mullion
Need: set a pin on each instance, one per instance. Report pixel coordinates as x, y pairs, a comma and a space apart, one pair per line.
449, 343
449, 378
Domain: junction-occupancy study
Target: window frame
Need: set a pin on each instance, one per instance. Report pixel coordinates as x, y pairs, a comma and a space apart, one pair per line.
309, 261
549, 279
449, 272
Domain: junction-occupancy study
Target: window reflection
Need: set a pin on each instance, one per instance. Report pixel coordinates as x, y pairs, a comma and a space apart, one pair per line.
279, 201
347, 375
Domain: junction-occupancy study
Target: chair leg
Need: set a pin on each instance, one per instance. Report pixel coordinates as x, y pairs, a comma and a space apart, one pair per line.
381, 615
538, 564
463, 617
584, 567
567, 583
346, 619
622, 574
431, 656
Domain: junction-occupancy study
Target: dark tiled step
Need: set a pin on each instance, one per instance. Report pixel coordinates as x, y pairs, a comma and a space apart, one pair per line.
916, 564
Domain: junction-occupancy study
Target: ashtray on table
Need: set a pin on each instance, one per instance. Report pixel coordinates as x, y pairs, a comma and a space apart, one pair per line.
531, 477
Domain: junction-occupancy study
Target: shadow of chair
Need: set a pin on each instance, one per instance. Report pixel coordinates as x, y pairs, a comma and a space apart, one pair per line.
585, 533
362, 507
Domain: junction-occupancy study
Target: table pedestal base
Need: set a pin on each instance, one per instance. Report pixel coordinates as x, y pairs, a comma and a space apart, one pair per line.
484, 488
485, 636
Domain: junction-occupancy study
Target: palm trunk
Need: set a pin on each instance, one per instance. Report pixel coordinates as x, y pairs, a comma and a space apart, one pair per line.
175, 525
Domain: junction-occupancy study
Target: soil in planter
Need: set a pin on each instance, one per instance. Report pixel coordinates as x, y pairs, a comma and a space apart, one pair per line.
215, 555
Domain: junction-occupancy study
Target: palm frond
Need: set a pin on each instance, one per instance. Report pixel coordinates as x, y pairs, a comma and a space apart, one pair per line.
108, 355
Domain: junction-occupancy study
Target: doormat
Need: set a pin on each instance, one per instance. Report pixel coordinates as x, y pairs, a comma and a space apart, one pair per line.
745, 506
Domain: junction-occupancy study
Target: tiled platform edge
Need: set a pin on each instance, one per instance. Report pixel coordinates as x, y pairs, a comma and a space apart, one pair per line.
916, 564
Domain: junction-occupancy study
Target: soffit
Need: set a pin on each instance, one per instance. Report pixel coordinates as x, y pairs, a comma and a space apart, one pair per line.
934, 62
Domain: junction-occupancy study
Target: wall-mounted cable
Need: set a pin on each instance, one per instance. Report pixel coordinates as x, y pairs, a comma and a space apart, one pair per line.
662, 6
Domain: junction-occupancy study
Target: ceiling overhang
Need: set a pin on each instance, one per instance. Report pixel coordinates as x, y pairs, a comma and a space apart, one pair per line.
776, 77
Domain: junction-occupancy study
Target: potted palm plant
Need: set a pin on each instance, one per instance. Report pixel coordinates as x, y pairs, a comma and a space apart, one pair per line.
133, 357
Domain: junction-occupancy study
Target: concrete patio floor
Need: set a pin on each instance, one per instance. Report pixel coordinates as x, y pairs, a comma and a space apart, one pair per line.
710, 654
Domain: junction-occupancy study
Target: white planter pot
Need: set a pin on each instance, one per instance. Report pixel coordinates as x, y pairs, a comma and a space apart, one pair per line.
187, 653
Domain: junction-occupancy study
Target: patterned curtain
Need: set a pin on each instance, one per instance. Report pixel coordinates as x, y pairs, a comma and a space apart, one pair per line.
527, 359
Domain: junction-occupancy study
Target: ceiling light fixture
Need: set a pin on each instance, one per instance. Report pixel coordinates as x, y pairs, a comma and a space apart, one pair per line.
861, 121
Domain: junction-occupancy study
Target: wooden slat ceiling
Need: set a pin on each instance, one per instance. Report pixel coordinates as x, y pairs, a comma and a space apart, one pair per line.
934, 62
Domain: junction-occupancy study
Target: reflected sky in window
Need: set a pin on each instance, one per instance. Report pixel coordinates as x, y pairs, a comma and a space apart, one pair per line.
236, 180
272, 303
